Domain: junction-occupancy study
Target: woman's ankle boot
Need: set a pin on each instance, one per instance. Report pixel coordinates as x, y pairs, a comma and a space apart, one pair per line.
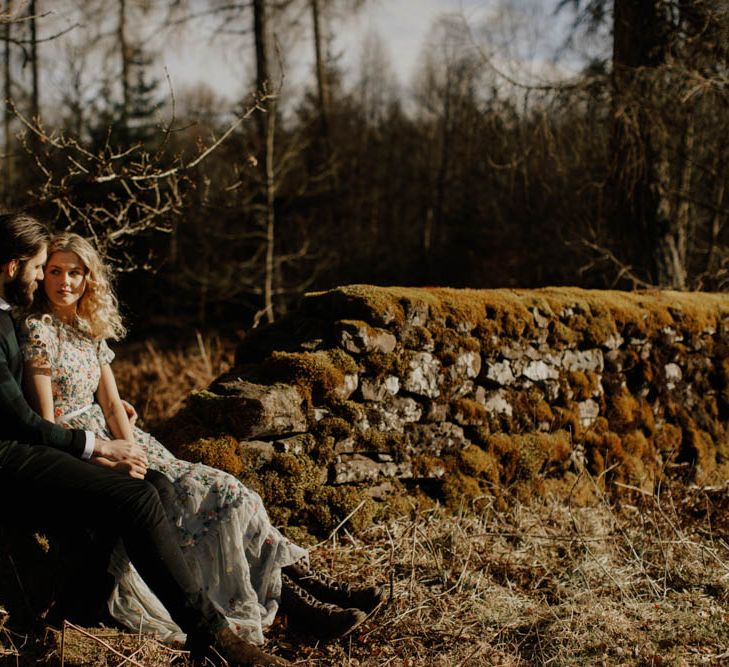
326, 589
319, 619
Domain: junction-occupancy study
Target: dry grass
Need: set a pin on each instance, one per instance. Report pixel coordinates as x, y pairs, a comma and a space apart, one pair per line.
158, 378
646, 583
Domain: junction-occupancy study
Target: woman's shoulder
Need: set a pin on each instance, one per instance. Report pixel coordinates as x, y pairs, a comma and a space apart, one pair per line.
38, 323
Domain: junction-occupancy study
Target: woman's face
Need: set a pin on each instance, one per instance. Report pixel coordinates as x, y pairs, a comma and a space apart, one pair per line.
65, 280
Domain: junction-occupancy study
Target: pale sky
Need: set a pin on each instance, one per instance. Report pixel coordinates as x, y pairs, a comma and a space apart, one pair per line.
402, 25
521, 34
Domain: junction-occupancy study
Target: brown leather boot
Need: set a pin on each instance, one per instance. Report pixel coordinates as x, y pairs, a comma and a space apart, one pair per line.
314, 617
326, 589
227, 648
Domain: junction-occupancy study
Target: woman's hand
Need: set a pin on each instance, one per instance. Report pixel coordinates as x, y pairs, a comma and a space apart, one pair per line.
131, 412
122, 467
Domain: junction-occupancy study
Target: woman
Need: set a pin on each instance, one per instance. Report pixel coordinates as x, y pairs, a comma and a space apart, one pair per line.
246, 565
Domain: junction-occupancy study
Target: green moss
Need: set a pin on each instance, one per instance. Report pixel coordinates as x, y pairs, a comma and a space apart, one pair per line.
531, 410
336, 427
389, 442
328, 506
623, 409
221, 452
348, 411
463, 492
323, 453
723, 373
580, 384
598, 314
530, 456
286, 485
698, 448
402, 504
426, 466
317, 374
603, 450
379, 364
667, 439
471, 479
477, 462
645, 419
416, 338
357, 325
567, 418
468, 412
300, 535
636, 444
562, 336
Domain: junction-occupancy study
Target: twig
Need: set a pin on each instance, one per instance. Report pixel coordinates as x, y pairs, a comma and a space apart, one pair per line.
342, 522
103, 643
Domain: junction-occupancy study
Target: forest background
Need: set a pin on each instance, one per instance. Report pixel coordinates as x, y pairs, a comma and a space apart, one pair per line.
599, 162
484, 171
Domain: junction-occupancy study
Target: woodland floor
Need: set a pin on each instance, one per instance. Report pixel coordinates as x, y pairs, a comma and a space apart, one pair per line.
642, 583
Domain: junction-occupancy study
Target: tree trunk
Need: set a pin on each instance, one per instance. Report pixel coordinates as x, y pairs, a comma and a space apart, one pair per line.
642, 176
266, 125
124, 55
263, 77
7, 95
270, 270
34, 95
322, 84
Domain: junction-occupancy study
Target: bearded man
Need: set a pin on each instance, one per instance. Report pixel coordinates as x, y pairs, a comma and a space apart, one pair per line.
51, 470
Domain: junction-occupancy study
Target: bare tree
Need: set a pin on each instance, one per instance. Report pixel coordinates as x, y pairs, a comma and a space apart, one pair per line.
7, 95
267, 124
670, 67
447, 90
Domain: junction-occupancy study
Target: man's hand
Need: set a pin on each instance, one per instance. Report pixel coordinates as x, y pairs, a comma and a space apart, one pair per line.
132, 469
122, 451
131, 412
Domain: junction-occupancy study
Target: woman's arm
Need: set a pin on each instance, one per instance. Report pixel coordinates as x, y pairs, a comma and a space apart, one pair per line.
38, 390
107, 396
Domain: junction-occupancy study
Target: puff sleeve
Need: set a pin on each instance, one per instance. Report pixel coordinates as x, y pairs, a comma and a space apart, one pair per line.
104, 353
38, 342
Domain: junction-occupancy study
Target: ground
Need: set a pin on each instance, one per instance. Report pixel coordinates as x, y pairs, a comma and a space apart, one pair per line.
645, 582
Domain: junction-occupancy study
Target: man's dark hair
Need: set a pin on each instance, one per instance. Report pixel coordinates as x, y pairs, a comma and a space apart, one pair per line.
21, 236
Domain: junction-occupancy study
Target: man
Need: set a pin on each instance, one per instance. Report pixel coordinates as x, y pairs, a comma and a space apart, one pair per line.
45, 466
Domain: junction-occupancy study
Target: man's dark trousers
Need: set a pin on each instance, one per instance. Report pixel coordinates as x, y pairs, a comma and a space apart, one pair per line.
62, 488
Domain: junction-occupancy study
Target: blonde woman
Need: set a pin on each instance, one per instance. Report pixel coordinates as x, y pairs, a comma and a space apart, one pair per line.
246, 566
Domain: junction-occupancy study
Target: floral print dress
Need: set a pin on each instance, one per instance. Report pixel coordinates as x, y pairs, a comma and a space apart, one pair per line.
224, 530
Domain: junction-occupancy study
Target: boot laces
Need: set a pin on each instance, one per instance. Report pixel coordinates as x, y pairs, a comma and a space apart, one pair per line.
309, 599
325, 580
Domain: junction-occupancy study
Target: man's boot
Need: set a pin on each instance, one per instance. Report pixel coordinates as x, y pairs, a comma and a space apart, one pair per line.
227, 648
319, 619
326, 589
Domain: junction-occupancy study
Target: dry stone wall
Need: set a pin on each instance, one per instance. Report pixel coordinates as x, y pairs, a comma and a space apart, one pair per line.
474, 393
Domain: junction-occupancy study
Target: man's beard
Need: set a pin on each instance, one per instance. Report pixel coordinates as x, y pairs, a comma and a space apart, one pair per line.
19, 291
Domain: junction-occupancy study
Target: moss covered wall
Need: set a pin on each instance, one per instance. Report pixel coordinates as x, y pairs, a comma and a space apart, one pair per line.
462, 395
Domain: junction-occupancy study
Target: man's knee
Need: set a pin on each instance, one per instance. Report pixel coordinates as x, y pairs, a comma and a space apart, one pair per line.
142, 501
166, 491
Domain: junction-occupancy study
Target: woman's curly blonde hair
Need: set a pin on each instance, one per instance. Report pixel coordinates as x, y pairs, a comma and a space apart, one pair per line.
98, 309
